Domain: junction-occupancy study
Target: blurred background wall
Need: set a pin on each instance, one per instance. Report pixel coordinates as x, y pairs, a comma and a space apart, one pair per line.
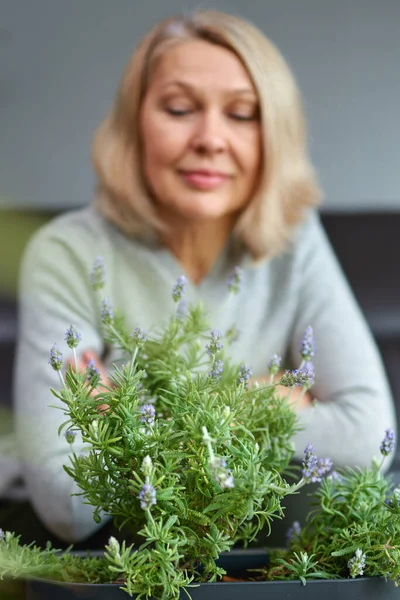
60, 62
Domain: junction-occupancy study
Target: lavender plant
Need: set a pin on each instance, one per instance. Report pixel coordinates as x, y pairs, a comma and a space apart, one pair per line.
185, 453
352, 530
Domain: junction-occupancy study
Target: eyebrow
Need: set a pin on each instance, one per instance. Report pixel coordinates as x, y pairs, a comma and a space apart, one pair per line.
190, 88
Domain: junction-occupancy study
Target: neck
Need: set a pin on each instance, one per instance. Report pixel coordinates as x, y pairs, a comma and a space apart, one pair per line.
197, 245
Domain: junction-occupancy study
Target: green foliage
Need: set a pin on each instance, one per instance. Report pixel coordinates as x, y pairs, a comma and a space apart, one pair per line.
191, 460
195, 516
18, 561
355, 510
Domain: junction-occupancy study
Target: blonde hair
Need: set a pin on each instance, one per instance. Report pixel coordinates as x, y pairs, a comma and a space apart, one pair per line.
287, 184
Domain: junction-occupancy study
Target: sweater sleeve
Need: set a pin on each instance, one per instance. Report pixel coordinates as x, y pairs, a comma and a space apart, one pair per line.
354, 404
54, 293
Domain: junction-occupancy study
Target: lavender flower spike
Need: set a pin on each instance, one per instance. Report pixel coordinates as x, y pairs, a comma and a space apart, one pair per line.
179, 289
97, 274
217, 370
293, 532
235, 280
314, 468
93, 371
244, 375
356, 564
298, 377
107, 313
307, 348
72, 337
56, 358
274, 364
70, 436
388, 443
148, 413
139, 336
147, 496
215, 345
309, 368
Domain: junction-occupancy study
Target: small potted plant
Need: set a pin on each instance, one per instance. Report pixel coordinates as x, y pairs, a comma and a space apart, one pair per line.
186, 455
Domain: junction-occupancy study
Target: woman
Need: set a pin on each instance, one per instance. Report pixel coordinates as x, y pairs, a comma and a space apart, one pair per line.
201, 165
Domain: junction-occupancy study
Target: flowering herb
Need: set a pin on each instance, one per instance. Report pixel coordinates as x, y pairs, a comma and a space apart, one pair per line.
307, 348
314, 468
179, 289
139, 336
70, 436
274, 364
235, 280
106, 313
72, 337
97, 275
147, 496
293, 532
217, 370
215, 346
388, 443
357, 564
244, 375
93, 373
209, 473
148, 413
298, 377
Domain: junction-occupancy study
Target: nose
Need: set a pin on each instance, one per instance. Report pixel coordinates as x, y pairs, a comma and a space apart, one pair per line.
209, 136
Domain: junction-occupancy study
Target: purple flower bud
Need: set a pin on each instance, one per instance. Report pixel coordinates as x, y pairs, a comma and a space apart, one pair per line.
107, 313
2, 535
179, 289
92, 370
309, 368
235, 279
274, 364
314, 468
147, 496
307, 348
388, 443
356, 564
70, 436
217, 370
298, 377
72, 337
335, 476
56, 358
244, 375
293, 532
215, 345
324, 466
139, 337
148, 413
97, 275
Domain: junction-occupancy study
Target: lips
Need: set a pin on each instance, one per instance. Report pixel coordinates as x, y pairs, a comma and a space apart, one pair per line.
204, 179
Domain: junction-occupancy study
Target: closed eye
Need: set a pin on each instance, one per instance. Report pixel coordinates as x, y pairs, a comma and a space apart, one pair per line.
178, 112
239, 117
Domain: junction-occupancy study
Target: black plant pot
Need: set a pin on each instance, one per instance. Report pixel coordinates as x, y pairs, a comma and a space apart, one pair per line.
236, 563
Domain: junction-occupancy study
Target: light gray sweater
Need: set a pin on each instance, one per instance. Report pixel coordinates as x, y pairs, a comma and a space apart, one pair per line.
279, 299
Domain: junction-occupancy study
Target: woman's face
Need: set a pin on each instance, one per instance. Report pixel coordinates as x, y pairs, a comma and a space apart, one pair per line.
201, 134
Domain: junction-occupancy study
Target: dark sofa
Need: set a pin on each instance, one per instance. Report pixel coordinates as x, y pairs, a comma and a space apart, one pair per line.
368, 247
